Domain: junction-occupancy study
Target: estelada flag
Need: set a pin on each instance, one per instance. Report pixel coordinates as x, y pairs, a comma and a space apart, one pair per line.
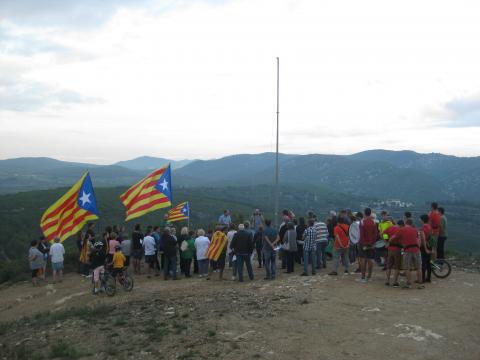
151, 193
69, 213
217, 245
179, 212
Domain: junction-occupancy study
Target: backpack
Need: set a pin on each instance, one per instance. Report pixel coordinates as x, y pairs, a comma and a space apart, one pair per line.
184, 245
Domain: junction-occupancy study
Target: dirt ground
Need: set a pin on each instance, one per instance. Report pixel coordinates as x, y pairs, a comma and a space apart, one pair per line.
292, 317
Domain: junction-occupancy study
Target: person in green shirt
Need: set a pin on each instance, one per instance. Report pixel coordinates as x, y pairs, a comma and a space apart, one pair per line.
187, 250
442, 237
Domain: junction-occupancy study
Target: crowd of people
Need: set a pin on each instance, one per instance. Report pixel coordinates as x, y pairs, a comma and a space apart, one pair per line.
352, 239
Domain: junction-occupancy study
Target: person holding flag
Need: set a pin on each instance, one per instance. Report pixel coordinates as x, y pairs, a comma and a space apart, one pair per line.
217, 251
71, 212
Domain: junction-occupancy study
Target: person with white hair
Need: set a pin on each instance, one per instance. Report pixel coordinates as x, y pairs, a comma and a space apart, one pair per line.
242, 247
201, 246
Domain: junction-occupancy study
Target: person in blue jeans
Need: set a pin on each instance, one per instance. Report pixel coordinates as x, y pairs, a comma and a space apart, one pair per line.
310, 248
269, 241
242, 247
244, 258
170, 254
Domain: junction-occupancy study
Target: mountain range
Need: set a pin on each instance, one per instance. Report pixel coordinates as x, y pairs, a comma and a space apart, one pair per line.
380, 174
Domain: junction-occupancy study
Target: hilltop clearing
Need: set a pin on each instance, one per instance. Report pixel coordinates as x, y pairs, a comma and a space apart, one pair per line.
293, 317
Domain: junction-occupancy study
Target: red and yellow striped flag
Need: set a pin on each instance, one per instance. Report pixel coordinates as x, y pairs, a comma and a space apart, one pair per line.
151, 193
217, 245
179, 212
69, 213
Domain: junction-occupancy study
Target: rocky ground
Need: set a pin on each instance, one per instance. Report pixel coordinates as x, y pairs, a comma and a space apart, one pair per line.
293, 317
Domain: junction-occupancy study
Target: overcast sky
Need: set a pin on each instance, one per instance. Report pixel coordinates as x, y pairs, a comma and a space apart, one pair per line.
103, 81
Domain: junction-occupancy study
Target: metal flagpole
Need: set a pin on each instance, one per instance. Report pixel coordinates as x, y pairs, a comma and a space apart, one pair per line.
276, 156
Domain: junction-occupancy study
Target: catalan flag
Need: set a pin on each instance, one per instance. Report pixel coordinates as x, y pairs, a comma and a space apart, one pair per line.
179, 212
69, 213
217, 245
151, 193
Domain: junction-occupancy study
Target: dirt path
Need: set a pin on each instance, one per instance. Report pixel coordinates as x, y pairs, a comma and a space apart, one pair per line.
319, 317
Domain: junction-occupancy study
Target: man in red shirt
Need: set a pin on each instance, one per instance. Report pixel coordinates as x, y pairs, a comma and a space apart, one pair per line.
435, 220
408, 237
426, 248
366, 249
394, 257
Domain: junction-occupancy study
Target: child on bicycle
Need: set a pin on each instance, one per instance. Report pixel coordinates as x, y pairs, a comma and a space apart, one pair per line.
118, 262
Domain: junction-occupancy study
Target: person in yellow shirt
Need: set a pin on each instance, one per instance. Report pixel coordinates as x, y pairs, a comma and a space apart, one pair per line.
118, 261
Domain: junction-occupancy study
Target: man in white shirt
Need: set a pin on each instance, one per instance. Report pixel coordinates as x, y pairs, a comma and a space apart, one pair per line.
354, 234
56, 254
149, 248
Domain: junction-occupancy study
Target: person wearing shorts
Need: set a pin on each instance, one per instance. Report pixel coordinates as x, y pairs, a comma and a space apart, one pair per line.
57, 251
97, 257
408, 237
36, 259
394, 256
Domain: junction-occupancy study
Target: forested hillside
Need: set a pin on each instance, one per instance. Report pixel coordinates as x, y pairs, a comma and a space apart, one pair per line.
403, 175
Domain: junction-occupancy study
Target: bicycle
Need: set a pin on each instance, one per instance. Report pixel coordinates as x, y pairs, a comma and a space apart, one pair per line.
107, 283
441, 268
125, 280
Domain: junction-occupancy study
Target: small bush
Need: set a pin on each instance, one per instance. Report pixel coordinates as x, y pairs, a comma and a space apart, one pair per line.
63, 350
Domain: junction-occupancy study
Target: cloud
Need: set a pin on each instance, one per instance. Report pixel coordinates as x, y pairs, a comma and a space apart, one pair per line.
25, 95
63, 13
83, 14
460, 112
27, 44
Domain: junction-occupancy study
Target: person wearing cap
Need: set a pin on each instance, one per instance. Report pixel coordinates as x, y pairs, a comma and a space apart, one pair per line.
97, 259
118, 261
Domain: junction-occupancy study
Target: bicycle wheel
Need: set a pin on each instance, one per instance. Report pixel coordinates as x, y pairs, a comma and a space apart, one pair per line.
127, 283
441, 268
110, 285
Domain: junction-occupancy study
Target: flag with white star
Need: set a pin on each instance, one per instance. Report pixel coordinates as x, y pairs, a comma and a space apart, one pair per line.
151, 193
69, 213
179, 212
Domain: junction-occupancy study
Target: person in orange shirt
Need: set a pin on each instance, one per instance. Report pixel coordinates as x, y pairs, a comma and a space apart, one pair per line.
341, 245
118, 261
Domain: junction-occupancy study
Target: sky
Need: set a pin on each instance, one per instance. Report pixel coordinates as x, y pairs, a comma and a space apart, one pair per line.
104, 81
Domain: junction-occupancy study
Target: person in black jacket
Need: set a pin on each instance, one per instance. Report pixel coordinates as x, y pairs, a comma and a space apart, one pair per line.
242, 246
137, 250
170, 254
97, 259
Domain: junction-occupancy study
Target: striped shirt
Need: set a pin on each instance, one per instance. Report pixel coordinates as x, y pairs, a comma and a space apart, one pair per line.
310, 239
322, 231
